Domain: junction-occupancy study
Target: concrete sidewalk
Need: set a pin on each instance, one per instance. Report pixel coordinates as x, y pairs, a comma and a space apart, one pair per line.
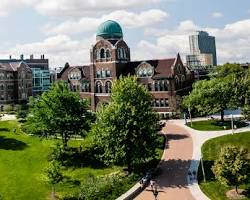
7, 117
199, 138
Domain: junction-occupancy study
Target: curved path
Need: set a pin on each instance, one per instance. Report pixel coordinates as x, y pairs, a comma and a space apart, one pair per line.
172, 181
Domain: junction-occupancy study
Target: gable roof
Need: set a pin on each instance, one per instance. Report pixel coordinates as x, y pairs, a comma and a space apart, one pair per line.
163, 67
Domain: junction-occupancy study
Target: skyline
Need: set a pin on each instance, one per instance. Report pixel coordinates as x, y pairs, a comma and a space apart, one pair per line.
64, 31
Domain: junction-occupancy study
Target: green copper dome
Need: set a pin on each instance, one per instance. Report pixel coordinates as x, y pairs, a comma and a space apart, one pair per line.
109, 30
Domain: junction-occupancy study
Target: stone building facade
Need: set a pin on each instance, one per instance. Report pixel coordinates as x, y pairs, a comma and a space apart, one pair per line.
166, 79
15, 82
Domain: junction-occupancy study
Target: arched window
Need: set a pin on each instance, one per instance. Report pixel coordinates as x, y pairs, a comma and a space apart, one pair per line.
102, 53
120, 53
108, 86
123, 53
177, 82
98, 87
108, 53
98, 56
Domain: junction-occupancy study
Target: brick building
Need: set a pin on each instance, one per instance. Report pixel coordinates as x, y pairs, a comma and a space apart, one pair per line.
15, 82
166, 79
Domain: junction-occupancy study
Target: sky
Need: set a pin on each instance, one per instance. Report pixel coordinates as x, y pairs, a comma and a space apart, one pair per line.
64, 30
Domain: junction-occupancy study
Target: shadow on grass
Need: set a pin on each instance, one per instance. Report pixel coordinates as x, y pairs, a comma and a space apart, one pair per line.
84, 158
11, 144
4, 130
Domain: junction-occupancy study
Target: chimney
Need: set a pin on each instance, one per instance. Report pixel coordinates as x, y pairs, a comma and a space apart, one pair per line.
21, 56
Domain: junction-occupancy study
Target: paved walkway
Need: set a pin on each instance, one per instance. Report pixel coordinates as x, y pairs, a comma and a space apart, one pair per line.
7, 117
183, 154
172, 182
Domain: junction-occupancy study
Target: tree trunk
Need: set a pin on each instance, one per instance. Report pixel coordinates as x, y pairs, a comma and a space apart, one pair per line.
53, 193
65, 141
236, 188
222, 115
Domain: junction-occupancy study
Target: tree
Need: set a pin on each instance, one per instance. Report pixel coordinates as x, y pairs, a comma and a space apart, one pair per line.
210, 96
58, 112
126, 127
232, 167
229, 87
54, 175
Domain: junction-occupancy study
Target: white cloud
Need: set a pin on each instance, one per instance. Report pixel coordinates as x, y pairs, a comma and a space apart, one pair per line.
231, 41
59, 49
127, 19
217, 15
73, 7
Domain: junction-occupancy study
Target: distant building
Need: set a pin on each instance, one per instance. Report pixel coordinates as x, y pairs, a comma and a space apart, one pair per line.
166, 79
202, 50
40, 72
15, 82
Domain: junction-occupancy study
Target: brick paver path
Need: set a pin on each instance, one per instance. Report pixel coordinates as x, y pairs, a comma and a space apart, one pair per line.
172, 181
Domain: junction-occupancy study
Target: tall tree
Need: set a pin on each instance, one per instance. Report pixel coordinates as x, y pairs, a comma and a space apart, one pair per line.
126, 127
59, 112
232, 167
210, 96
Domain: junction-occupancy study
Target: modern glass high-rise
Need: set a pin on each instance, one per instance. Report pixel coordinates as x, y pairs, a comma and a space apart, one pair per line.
203, 43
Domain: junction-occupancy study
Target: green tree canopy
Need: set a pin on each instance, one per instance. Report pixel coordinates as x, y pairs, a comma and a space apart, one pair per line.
210, 96
126, 127
229, 87
58, 112
232, 167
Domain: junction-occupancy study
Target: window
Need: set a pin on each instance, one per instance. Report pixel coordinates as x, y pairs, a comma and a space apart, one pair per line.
108, 53
1, 76
103, 74
149, 87
108, 86
98, 74
166, 103
2, 87
85, 87
162, 103
108, 73
145, 70
102, 53
98, 87
98, 56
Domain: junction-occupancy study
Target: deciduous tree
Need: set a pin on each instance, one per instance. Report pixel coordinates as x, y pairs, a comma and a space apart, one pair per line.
126, 127
59, 112
232, 167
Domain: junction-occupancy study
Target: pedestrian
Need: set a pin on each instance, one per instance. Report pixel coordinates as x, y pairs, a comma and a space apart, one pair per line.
152, 184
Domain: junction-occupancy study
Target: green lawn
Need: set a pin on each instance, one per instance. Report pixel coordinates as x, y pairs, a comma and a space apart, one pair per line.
215, 125
23, 159
212, 188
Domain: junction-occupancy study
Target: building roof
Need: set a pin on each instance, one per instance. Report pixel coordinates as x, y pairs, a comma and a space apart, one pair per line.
63, 75
163, 67
109, 30
11, 66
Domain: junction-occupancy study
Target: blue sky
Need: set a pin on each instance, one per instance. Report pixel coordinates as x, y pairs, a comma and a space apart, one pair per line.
64, 30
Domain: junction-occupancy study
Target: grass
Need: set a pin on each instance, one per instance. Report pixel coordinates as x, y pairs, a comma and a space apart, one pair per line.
215, 125
212, 188
23, 159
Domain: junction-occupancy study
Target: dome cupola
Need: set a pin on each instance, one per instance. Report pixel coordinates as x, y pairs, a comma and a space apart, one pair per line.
109, 30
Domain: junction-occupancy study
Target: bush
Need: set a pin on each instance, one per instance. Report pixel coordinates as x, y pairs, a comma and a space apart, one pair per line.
107, 187
8, 108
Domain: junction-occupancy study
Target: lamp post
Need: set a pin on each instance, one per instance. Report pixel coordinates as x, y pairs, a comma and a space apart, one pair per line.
189, 110
232, 123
